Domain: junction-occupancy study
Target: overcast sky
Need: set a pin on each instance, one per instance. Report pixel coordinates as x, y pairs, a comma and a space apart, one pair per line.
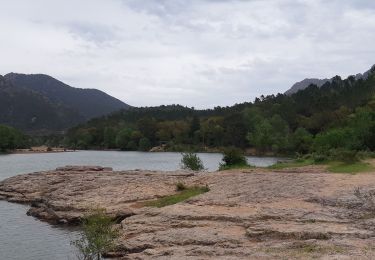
200, 53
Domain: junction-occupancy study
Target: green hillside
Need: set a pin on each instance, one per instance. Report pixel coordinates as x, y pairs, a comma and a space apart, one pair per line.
338, 115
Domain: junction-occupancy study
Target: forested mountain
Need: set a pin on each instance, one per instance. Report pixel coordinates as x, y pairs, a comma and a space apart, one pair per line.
32, 112
339, 114
318, 82
88, 102
41, 104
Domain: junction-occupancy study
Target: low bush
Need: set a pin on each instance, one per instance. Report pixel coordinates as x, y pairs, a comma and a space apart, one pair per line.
180, 186
97, 236
191, 161
344, 155
233, 158
339, 155
365, 154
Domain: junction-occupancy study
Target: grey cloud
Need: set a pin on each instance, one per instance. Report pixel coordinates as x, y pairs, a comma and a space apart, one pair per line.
160, 8
200, 53
96, 33
363, 4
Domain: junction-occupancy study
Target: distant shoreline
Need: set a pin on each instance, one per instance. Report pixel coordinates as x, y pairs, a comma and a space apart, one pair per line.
30, 151
60, 150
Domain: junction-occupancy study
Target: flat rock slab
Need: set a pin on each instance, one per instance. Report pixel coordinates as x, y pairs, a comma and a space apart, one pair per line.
67, 193
247, 214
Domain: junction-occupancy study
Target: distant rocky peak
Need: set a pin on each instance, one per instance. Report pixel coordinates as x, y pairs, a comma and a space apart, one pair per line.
320, 82
305, 83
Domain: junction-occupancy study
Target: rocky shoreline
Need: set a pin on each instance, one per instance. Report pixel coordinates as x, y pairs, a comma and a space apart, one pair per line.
297, 213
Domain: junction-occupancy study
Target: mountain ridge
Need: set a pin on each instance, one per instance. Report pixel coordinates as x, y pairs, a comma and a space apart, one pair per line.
41, 104
90, 102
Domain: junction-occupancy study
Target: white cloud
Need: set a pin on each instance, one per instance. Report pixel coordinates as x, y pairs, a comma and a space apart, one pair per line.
200, 53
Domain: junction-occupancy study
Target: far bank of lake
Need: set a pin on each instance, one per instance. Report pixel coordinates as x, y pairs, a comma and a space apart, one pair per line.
13, 164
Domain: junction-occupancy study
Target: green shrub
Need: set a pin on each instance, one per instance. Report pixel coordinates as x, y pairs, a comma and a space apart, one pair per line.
365, 154
344, 155
233, 156
97, 236
191, 161
180, 186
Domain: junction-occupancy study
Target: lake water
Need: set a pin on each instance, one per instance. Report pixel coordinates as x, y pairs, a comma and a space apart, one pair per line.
23, 237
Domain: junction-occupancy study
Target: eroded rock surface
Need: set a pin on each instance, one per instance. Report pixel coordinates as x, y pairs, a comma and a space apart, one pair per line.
247, 214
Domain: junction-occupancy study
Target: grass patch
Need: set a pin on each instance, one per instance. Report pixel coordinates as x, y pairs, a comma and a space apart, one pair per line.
292, 164
184, 194
335, 167
357, 167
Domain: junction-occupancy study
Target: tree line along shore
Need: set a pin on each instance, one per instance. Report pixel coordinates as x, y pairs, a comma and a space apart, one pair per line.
333, 122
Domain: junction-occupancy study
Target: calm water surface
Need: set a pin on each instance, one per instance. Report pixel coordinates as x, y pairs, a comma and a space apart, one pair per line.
23, 237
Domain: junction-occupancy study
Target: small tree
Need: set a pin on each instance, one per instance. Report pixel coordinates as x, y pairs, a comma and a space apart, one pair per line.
233, 157
97, 236
191, 161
